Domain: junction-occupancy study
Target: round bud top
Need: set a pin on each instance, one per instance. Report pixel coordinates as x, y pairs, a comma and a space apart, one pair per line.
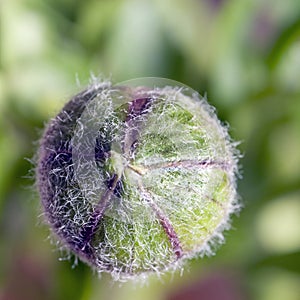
136, 177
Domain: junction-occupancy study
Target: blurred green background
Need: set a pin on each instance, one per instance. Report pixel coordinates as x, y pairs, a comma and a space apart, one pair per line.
245, 55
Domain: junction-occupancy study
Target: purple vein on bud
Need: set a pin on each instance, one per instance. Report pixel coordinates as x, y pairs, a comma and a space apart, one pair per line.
136, 108
165, 223
90, 228
133, 122
188, 163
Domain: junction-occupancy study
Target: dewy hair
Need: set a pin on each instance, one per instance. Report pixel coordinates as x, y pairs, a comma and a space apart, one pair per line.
137, 177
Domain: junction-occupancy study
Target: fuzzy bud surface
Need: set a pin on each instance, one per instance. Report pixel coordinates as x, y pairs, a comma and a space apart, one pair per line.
134, 178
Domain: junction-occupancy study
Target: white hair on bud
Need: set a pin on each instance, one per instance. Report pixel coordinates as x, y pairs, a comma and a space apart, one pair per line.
135, 179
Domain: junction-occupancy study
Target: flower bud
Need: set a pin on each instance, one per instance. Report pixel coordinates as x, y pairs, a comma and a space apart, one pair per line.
134, 178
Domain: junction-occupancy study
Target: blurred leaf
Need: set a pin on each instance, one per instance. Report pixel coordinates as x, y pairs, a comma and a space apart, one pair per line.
95, 20
288, 36
289, 262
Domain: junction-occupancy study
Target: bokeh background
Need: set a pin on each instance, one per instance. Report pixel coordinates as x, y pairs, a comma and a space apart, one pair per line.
244, 55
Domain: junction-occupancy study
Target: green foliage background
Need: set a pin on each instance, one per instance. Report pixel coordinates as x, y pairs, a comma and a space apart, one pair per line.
245, 55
